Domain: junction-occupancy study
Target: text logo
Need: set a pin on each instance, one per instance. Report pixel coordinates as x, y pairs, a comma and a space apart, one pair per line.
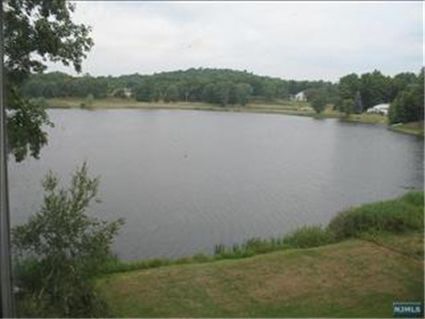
408, 309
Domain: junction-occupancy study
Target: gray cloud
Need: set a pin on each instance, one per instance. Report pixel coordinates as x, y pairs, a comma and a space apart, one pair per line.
304, 40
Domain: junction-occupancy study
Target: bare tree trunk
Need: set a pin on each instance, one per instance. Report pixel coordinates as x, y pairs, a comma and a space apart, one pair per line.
6, 294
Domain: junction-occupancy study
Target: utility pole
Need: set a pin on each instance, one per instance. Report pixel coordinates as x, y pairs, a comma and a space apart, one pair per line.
6, 293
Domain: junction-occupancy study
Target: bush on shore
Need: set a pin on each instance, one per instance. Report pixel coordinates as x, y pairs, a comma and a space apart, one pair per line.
397, 215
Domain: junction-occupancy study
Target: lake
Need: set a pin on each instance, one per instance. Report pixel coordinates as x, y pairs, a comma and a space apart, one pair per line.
187, 180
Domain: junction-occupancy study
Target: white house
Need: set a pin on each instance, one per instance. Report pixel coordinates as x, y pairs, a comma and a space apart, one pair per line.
122, 93
380, 109
127, 92
300, 96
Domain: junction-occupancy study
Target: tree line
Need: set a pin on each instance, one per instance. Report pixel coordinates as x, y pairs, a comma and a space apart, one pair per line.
353, 93
404, 92
220, 86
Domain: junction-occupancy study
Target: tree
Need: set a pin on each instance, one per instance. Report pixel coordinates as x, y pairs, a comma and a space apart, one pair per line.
61, 247
347, 106
400, 82
222, 92
349, 85
242, 93
268, 90
35, 31
347, 88
208, 93
171, 93
207, 85
374, 88
409, 103
144, 92
318, 104
317, 98
358, 103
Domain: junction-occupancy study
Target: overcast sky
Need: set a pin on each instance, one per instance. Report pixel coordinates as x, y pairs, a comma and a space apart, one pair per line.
298, 40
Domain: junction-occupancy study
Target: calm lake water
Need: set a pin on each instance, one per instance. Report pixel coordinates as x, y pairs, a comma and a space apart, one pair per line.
187, 180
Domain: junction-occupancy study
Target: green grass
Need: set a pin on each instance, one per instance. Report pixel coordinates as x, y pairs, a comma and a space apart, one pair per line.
256, 106
368, 257
413, 128
354, 278
367, 118
410, 244
305, 237
119, 103
277, 106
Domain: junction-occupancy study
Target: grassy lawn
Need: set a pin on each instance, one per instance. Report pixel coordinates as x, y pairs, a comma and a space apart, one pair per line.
354, 278
280, 106
368, 118
414, 128
365, 259
117, 103
411, 245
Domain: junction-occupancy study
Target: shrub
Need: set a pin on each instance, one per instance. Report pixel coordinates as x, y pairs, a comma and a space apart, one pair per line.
414, 198
60, 249
308, 236
305, 237
257, 246
398, 215
88, 101
200, 257
114, 265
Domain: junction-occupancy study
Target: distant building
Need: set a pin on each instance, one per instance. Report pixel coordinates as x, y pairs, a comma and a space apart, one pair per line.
300, 96
380, 109
122, 93
127, 92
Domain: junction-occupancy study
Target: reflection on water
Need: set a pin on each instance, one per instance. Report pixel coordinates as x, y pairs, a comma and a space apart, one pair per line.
187, 180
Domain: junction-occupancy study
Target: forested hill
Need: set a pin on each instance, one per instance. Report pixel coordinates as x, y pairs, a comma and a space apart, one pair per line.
222, 86
353, 93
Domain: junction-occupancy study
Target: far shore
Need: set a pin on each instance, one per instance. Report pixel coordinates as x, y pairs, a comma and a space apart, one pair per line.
276, 107
281, 106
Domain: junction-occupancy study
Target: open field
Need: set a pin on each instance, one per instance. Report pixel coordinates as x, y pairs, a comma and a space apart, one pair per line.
354, 278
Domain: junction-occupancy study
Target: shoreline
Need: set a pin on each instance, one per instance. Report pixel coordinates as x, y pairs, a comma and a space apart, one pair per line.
413, 128
287, 108
357, 245
282, 107
304, 237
